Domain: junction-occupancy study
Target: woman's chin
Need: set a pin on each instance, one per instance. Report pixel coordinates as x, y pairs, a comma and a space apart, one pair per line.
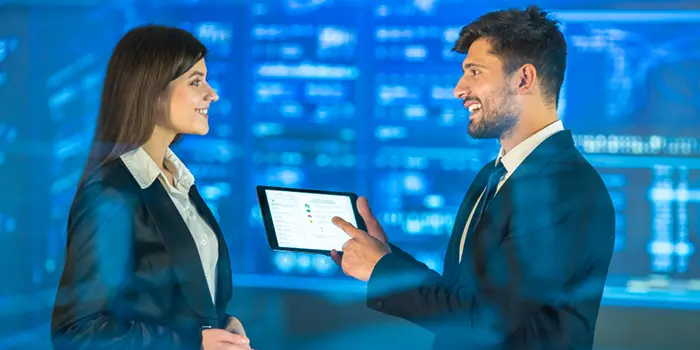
201, 129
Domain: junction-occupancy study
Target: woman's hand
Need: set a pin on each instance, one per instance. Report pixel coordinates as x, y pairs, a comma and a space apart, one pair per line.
234, 325
219, 339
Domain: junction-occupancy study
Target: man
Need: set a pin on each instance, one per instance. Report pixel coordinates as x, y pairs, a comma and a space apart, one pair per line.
529, 253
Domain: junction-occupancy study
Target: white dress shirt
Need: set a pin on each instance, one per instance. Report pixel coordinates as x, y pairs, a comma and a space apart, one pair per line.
511, 161
145, 171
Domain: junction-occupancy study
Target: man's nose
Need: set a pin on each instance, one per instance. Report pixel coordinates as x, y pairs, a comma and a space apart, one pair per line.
461, 90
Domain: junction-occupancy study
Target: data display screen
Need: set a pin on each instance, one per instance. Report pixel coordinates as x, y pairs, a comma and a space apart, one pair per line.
303, 221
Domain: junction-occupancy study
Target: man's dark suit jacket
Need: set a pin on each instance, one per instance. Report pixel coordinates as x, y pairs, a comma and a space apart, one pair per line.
532, 272
133, 278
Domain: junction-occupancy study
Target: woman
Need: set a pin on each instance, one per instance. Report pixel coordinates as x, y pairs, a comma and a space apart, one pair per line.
146, 264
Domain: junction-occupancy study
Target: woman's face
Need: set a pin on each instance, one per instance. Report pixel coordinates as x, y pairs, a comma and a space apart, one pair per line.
187, 102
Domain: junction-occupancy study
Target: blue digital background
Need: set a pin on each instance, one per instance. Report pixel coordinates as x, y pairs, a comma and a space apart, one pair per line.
356, 96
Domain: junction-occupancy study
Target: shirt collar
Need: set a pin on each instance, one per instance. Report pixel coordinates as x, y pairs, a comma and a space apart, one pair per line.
145, 171
517, 155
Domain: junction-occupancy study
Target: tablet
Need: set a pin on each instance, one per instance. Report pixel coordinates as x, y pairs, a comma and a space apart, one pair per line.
300, 219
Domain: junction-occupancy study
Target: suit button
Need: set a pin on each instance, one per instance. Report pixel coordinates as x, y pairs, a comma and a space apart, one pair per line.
380, 304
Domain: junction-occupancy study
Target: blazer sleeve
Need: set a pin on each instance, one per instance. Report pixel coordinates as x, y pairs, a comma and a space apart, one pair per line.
536, 264
98, 266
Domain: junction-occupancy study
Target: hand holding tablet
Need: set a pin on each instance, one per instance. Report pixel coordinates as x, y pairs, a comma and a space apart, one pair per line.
301, 219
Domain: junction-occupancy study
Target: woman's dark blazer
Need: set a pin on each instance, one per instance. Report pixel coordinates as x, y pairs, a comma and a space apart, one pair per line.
132, 277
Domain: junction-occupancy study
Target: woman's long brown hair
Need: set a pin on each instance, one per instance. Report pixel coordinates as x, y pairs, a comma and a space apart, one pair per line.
145, 60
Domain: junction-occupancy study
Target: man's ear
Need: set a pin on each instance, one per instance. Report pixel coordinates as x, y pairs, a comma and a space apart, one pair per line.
525, 78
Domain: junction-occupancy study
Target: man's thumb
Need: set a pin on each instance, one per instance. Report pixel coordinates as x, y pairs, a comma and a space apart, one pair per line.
373, 227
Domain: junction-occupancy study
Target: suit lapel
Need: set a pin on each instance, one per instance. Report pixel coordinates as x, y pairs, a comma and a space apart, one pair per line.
465, 208
223, 289
498, 206
501, 205
181, 247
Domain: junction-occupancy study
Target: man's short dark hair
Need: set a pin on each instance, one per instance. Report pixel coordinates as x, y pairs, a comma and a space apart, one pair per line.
519, 37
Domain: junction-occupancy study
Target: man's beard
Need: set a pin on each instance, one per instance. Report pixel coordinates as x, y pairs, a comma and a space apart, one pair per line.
497, 118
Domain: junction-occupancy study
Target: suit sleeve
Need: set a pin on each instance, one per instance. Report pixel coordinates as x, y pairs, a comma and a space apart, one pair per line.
403, 255
538, 263
98, 268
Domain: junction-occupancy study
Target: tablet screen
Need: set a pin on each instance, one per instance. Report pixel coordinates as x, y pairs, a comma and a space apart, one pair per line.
303, 220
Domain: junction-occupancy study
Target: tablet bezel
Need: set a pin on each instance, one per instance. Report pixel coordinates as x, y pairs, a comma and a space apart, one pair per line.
270, 227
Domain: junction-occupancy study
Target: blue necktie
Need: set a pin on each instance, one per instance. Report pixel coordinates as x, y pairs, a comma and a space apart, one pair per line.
496, 174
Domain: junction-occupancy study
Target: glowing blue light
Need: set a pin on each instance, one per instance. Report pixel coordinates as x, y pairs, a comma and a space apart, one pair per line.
214, 192
413, 183
307, 71
393, 34
382, 11
213, 32
50, 265
324, 90
385, 133
415, 112
291, 110
416, 53
3, 50
61, 98
442, 93
684, 249
661, 248
269, 91
267, 129
323, 160
289, 177
434, 201
332, 37
297, 6
291, 51
425, 6
284, 261
303, 262
451, 34
266, 32
291, 158
323, 264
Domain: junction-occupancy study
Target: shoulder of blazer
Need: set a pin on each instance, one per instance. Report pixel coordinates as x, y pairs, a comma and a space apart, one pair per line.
557, 166
568, 160
112, 174
112, 178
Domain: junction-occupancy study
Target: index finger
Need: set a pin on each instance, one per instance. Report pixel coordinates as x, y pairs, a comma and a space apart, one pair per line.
347, 227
